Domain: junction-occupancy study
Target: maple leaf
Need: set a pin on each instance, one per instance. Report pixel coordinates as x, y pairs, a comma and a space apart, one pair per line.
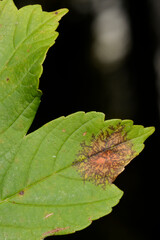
57, 179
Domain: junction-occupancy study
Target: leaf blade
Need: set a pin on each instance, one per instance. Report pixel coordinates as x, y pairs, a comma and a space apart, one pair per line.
21, 61
41, 191
62, 194
27, 38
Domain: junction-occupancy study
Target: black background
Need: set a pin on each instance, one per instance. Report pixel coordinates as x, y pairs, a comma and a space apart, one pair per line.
72, 81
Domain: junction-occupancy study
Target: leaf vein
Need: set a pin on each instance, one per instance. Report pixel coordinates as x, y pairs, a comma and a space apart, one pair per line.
17, 117
10, 164
23, 40
68, 139
62, 205
31, 161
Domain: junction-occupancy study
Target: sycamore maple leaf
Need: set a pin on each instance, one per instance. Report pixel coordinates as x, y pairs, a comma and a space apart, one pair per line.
57, 179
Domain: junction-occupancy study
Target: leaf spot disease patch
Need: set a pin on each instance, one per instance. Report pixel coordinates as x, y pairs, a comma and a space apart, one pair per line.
106, 156
84, 134
21, 193
54, 231
48, 215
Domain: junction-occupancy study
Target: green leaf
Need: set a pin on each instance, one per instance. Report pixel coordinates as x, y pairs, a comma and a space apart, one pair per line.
57, 179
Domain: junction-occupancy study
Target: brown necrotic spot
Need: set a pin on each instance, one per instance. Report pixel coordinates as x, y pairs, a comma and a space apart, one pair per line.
21, 193
106, 156
52, 232
48, 215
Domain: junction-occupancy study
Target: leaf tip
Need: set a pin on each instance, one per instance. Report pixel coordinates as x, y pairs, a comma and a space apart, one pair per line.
60, 13
110, 151
150, 130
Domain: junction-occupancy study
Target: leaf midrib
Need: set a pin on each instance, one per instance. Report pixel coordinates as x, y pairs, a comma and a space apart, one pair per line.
62, 205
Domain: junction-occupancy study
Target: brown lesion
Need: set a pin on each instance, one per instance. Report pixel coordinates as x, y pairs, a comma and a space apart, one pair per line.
106, 156
21, 193
53, 231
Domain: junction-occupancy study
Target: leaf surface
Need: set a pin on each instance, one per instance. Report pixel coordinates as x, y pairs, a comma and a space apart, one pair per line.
57, 179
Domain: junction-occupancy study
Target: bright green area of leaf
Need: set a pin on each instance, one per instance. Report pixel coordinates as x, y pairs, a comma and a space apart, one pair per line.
41, 193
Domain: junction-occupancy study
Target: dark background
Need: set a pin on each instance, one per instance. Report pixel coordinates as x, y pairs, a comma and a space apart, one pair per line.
106, 58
